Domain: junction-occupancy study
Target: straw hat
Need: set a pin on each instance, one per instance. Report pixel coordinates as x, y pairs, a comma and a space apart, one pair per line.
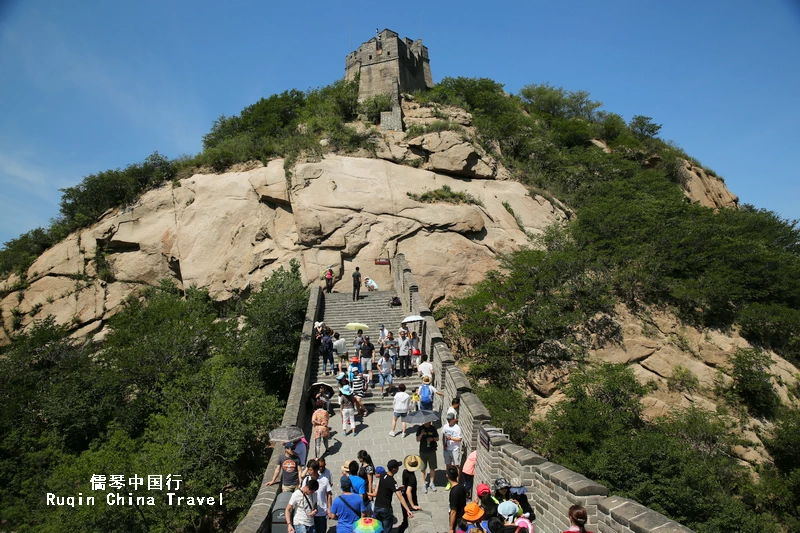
346, 467
412, 463
426, 379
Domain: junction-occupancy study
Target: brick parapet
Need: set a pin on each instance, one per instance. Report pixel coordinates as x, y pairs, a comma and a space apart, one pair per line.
552, 489
257, 518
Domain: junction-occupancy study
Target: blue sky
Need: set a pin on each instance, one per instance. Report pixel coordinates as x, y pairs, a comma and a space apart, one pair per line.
92, 85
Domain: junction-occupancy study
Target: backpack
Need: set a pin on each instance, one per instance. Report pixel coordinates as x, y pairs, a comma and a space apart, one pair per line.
326, 346
425, 395
395, 301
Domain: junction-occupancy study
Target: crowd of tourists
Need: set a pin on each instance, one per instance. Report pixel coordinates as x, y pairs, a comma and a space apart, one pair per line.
372, 492
366, 490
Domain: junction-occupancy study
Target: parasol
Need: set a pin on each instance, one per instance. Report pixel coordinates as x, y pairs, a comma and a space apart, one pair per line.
286, 434
412, 318
312, 391
367, 525
422, 416
356, 326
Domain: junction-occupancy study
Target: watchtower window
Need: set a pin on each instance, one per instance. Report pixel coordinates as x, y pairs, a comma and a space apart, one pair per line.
370, 56
388, 52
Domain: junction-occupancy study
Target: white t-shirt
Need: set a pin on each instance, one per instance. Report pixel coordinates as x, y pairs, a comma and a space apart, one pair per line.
450, 432
452, 409
401, 403
322, 492
426, 369
301, 507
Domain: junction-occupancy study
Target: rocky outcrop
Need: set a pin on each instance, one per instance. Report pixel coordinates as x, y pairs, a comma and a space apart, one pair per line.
702, 188
227, 232
658, 348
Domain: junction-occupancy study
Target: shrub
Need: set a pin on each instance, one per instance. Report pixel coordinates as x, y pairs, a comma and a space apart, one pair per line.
682, 379
752, 383
372, 107
445, 194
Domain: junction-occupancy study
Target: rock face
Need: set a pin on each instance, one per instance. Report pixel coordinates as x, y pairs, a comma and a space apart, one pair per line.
704, 189
228, 232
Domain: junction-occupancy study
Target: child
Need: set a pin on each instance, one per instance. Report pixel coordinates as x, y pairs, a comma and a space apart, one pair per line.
414, 401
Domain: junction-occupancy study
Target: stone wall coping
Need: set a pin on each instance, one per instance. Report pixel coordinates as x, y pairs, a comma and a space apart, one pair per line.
257, 518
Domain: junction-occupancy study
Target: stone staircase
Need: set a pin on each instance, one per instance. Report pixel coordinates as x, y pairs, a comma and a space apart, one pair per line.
372, 309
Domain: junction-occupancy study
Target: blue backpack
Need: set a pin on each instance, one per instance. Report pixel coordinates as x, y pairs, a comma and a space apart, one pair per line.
425, 395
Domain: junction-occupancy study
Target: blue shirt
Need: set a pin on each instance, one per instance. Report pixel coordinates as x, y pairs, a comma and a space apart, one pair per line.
346, 518
359, 485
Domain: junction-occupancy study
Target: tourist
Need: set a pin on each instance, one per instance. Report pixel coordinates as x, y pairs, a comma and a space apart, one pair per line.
403, 328
289, 468
324, 495
357, 342
400, 406
403, 356
301, 449
323, 394
328, 284
577, 519
359, 383
468, 471
367, 359
383, 500
507, 511
355, 364
415, 349
382, 334
385, 372
359, 485
340, 348
501, 487
302, 508
428, 439
324, 471
347, 403
426, 393
347, 508
455, 405
517, 493
409, 487
320, 421
473, 513
390, 344
370, 285
458, 498
326, 352
366, 470
356, 284
425, 368
487, 502
451, 436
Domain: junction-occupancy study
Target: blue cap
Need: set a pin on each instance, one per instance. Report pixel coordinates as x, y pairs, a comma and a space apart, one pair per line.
380, 470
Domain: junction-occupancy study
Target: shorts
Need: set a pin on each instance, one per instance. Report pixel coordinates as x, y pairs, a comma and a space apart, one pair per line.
366, 365
343, 356
400, 415
385, 378
429, 459
452, 458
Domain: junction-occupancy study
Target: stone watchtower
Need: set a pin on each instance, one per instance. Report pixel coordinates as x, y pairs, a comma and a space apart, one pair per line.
386, 58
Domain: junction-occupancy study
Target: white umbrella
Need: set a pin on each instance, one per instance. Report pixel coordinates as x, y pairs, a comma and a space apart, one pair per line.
412, 318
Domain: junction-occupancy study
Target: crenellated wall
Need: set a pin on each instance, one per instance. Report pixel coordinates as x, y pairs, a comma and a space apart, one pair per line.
552, 489
257, 518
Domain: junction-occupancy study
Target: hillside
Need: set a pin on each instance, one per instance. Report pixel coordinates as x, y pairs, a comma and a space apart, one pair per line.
551, 237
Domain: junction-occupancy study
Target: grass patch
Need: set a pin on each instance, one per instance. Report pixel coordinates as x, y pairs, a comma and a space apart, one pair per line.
445, 194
